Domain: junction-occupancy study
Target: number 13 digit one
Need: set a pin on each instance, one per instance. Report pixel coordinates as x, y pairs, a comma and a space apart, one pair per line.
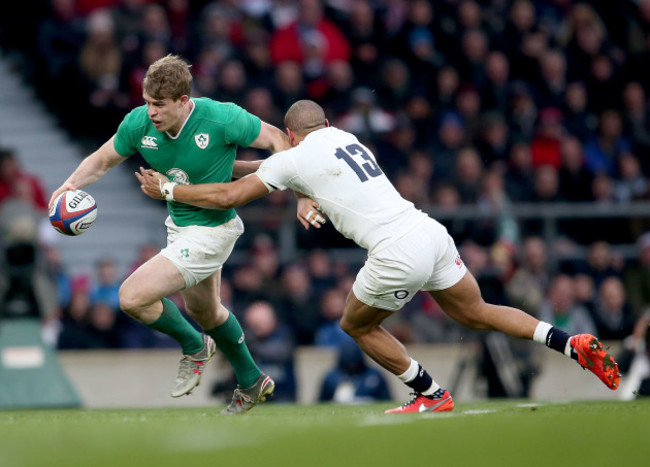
367, 169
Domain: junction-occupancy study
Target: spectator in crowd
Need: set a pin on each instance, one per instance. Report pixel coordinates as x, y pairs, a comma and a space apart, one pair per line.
495, 92
585, 291
575, 179
612, 313
60, 37
630, 185
312, 29
26, 287
545, 146
106, 287
553, 72
636, 117
367, 40
467, 174
604, 148
561, 310
297, 303
272, 345
637, 276
520, 173
352, 381
601, 263
101, 61
321, 272
366, 117
445, 89
493, 141
14, 181
74, 319
329, 333
448, 140
523, 110
527, 288
579, 121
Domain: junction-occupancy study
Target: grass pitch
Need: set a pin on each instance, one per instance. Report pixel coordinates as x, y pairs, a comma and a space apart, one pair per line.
507, 433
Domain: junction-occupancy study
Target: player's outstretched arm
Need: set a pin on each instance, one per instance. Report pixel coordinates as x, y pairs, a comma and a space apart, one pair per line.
91, 169
242, 168
208, 195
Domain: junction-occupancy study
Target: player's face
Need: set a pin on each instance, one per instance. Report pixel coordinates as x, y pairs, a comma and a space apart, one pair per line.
166, 114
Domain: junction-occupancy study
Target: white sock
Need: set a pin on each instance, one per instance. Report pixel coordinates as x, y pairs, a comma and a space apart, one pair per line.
434, 387
410, 373
541, 332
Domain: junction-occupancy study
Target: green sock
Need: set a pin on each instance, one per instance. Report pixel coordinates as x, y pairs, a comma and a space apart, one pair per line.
229, 337
174, 324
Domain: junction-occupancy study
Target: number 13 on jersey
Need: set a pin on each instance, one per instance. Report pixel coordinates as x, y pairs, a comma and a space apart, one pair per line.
367, 169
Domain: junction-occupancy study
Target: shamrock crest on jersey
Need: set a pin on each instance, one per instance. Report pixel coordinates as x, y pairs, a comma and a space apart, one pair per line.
202, 140
178, 176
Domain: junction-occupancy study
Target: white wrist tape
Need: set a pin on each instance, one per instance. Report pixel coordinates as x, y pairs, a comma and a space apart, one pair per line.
167, 190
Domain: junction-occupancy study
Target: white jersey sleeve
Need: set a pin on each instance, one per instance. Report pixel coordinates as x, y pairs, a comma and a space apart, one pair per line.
277, 171
333, 168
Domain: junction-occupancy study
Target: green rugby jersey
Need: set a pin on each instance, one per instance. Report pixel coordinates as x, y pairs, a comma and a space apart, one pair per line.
203, 151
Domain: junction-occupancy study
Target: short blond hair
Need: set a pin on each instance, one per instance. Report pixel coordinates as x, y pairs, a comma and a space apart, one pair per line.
168, 77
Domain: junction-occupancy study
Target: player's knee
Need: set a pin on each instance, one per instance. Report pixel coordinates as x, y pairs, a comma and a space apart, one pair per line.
130, 302
352, 329
346, 326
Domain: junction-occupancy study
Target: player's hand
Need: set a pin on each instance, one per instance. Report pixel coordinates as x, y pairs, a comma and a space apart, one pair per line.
308, 213
58, 191
150, 182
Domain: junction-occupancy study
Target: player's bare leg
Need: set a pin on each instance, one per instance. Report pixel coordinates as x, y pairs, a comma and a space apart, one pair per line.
363, 323
141, 292
142, 297
463, 302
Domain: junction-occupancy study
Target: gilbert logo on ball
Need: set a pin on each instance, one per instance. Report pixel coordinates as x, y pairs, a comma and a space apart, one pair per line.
73, 212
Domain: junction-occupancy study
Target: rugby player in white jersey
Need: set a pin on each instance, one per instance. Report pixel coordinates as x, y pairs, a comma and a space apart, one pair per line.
407, 250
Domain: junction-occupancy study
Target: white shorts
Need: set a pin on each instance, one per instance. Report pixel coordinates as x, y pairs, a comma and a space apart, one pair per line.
424, 259
198, 251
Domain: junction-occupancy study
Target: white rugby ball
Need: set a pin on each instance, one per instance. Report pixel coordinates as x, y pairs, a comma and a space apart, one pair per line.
73, 212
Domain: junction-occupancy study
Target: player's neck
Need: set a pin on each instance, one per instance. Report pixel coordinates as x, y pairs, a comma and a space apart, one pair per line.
187, 110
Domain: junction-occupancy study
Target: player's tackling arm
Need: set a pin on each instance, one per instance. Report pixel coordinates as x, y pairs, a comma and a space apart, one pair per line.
91, 169
208, 195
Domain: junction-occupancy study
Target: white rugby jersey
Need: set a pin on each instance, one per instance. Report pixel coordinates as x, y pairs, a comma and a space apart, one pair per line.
334, 169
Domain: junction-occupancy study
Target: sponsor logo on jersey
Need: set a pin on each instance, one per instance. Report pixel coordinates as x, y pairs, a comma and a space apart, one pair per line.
202, 140
149, 142
459, 262
178, 176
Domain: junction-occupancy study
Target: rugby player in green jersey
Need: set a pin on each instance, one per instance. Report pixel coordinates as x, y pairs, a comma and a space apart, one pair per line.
192, 140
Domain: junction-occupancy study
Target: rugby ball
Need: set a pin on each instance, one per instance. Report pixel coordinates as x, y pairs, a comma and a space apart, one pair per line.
73, 212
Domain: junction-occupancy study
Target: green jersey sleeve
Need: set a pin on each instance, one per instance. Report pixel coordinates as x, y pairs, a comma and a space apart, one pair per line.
242, 128
126, 140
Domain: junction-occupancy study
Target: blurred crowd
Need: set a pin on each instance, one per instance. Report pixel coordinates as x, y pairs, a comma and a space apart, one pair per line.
484, 103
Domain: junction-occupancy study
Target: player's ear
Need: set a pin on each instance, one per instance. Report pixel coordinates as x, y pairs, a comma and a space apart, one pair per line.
327, 122
292, 137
